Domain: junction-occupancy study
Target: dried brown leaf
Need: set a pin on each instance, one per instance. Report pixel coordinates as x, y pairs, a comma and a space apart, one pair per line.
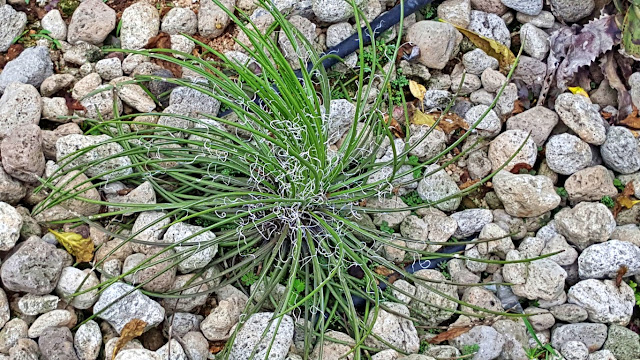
130, 331
383, 271
632, 120
620, 274
450, 334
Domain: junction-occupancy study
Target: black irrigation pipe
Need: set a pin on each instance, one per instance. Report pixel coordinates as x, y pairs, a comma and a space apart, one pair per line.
348, 46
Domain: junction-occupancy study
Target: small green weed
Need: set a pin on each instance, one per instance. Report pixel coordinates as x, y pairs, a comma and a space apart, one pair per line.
249, 279
470, 349
424, 346
636, 291
397, 88
385, 227
562, 192
44, 34
618, 184
412, 199
414, 161
608, 202
444, 269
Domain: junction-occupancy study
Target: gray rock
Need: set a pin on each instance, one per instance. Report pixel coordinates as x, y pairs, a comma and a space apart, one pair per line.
536, 41
525, 195
621, 151
218, 325
623, 343
544, 280
543, 20
181, 323
195, 346
341, 116
100, 105
307, 30
570, 313
590, 184
73, 280
471, 221
629, 233
13, 23
104, 169
538, 120
490, 6
140, 22
190, 303
434, 143
603, 300
556, 243
457, 12
574, 350
477, 61
585, 224
566, 154
19, 106
540, 319
332, 349
212, 20
91, 22
55, 109
172, 350
504, 106
600, 261
35, 305
133, 95
109, 68
505, 145
529, 7
53, 318
88, 340
577, 112
12, 331
592, 335
252, 337
393, 329
470, 84
154, 277
134, 305
438, 186
22, 155
490, 26
333, 11
438, 99
180, 20
602, 355
489, 341
75, 183
492, 80
55, 25
572, 11
138, 354
11, 223
57, 343
478, 165
531, 71
34, 267
490, 125
436, 41
83, 54
433, 279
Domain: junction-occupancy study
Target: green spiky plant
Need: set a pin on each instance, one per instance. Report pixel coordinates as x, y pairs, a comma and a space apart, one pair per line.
285, 207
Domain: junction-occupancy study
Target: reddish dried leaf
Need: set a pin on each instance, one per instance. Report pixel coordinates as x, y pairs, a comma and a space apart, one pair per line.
449, 334
160, 41
517, 107
620, 274
216, 347
130, 331
73, 104
633, 120
14, 51
467, 184
519, 166
624, 199
381, 270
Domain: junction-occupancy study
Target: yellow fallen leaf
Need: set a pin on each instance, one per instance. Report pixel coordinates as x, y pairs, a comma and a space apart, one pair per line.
420, 118
418, 91
627, 202
491, 47
579, 91
130, 331
76, 245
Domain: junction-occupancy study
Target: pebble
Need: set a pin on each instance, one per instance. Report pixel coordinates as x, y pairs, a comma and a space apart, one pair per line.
10, 223
586, 223
570, 10
590, 184
574, 350
13, 330
212, 20
538, 120
140, 22
180, 20
71, 143
505, 145
577, 112
570, 313
55, 25
471, 221
529, 7
22, 155
53, 318
433, 279
109, 68
604, 301
252, 336
604, 260
218, 325
34, 267
457, 12
477, 61
592, 335
91, 23
490, 26
470, 84
622, 343
135, 305
490, 6
536, 41
55, 109
195, 346
436, 40
489, 341
70, 283
307, 30
621, 151
13, 23
525, 195
138, 354
57, 343
544, 20
19, 106
172, 350
391, 328
88, 340
37, 304
438, 186
434, 143
333, 11
544, 280
567, 154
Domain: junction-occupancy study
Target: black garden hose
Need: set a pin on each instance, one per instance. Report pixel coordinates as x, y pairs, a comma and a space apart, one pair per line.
379, 25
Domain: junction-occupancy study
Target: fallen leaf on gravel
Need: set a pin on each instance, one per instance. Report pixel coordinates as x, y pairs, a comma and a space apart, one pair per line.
420, 118
76, 245
624, 199
132, 330
491, 47
418, 91
467, 184
631, 32
449, 334
516, 169
518, 107
633, 120
381, 270
620, 274
449, 123
579, 91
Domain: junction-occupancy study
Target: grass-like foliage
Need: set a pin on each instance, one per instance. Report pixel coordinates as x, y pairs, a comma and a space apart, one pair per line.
287, 209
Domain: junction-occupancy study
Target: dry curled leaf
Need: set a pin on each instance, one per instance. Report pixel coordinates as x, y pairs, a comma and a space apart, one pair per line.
624, 201
383, 271
633, 120
130, 331
493, 48
516, 169
468, 183
622, 270
450, 334
395, 127
418, 91
77, 245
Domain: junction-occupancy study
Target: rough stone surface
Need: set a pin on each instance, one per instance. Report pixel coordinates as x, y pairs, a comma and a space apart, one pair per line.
57, 343
506, 144
427, 296
623, 343
621, 151
34, 268
571, 11
140, 22
19, 106
538, 120
70, 280
212, 20
489, 341
88, 340
13, 22
436, 41
92, 21
576, 112
251, 338
22, 155
457, 12
71, 143
438, 186
525, 195
603, 260
603, 300
590, 184
592, 335
135, 305
566, 154
490, 26
586, 223
395, 330
53, 318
